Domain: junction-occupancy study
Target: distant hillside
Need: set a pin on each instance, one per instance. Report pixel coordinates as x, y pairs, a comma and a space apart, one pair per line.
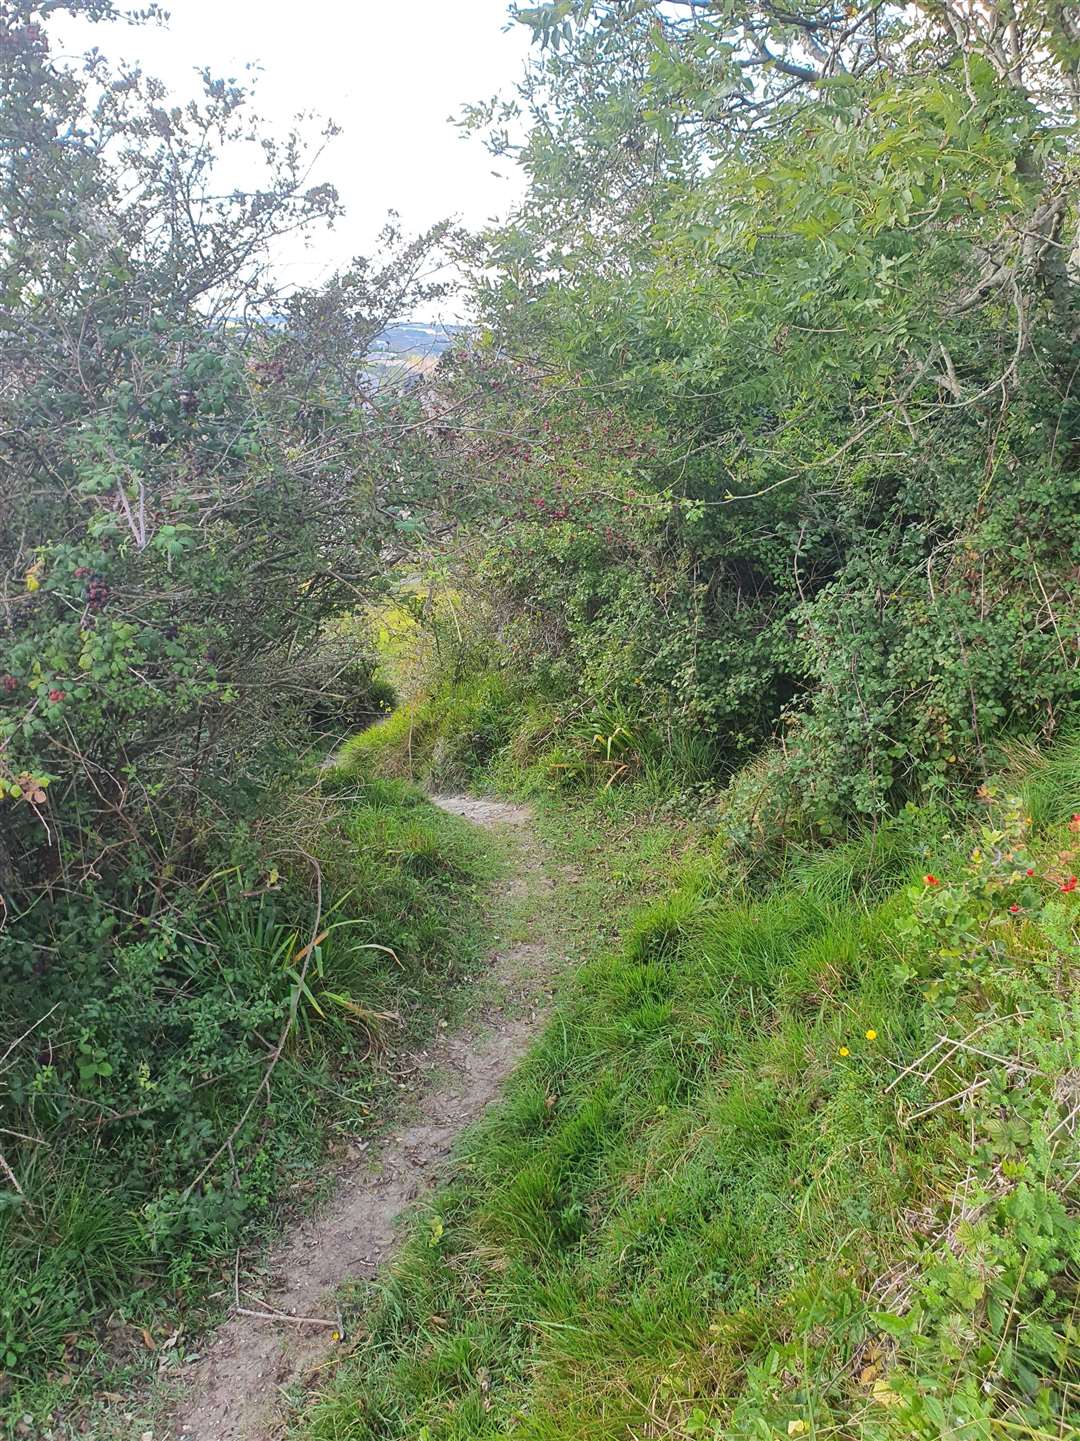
417, 337
410, 348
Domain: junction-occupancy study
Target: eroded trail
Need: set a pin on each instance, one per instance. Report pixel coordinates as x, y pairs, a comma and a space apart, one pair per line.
235, 1391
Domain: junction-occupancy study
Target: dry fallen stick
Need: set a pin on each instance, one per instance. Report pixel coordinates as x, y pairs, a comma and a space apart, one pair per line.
29, 1031
271, 1313
10, 1174
36, 1140
955, 1044
957, 1096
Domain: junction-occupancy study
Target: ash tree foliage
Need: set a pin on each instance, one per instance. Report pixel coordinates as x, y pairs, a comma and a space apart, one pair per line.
822, 261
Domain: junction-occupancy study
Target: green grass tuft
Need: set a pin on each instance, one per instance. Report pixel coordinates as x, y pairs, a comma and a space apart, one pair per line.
741, 1189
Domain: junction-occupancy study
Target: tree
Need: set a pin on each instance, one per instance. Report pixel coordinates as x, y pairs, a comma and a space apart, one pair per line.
833, 278
196, 472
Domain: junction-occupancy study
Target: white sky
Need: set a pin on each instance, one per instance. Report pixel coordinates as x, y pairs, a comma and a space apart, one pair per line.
388, 72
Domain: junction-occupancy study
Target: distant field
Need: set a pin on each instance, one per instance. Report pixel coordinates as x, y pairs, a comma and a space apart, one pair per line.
410, 348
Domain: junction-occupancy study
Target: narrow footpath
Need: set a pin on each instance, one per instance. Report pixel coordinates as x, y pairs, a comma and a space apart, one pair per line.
236, 1391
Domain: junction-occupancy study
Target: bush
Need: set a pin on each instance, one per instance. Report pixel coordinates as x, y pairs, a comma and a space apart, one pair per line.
442, 740
147, 1040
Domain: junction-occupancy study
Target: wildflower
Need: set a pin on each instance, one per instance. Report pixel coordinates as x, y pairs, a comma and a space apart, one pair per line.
1013, 909
335, 1335
1029, 871
871, 1035
931, 880
1069, 885
843, 1051
1074, 821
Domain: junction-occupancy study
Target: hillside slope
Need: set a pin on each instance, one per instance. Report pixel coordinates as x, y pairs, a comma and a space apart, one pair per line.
794, 1163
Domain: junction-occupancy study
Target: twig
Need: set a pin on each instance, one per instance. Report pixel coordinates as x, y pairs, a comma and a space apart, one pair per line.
271, 1313
10, 1174
35, 1140
956, 1096
19, 1039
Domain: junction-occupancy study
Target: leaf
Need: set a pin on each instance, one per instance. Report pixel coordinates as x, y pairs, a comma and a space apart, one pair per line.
299, 956
884, 1395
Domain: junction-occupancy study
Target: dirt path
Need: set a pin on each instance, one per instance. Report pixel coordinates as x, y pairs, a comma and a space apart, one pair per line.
235, 1391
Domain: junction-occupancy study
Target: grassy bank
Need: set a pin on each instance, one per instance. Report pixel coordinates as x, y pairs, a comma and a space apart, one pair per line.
150, 1131
793, 1163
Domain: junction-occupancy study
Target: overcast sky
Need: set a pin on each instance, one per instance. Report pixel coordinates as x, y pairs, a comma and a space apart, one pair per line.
390, 74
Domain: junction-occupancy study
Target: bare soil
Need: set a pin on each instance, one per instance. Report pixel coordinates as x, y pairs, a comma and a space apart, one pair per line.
236, 1390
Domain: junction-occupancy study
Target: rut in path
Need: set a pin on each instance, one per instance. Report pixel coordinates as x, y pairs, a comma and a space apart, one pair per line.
235, 1391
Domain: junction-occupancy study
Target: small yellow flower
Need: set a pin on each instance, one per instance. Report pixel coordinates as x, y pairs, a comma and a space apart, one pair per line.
844, 1051
871, 1035
335, 1335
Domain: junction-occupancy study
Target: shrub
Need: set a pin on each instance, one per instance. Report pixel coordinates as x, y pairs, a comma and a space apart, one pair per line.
157, 1135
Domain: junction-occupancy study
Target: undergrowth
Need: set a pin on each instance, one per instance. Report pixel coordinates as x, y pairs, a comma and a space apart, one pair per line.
136, 1165
493, 728
795, 1160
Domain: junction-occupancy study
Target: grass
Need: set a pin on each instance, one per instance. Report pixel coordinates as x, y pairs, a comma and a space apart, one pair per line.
103, 1247
488, 730
441, 740
1049, 780
742, 1188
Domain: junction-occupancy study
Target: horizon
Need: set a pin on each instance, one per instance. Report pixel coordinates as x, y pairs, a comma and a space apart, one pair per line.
428, 173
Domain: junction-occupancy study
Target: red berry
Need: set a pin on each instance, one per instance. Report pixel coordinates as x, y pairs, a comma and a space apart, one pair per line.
10, 683
56, 695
